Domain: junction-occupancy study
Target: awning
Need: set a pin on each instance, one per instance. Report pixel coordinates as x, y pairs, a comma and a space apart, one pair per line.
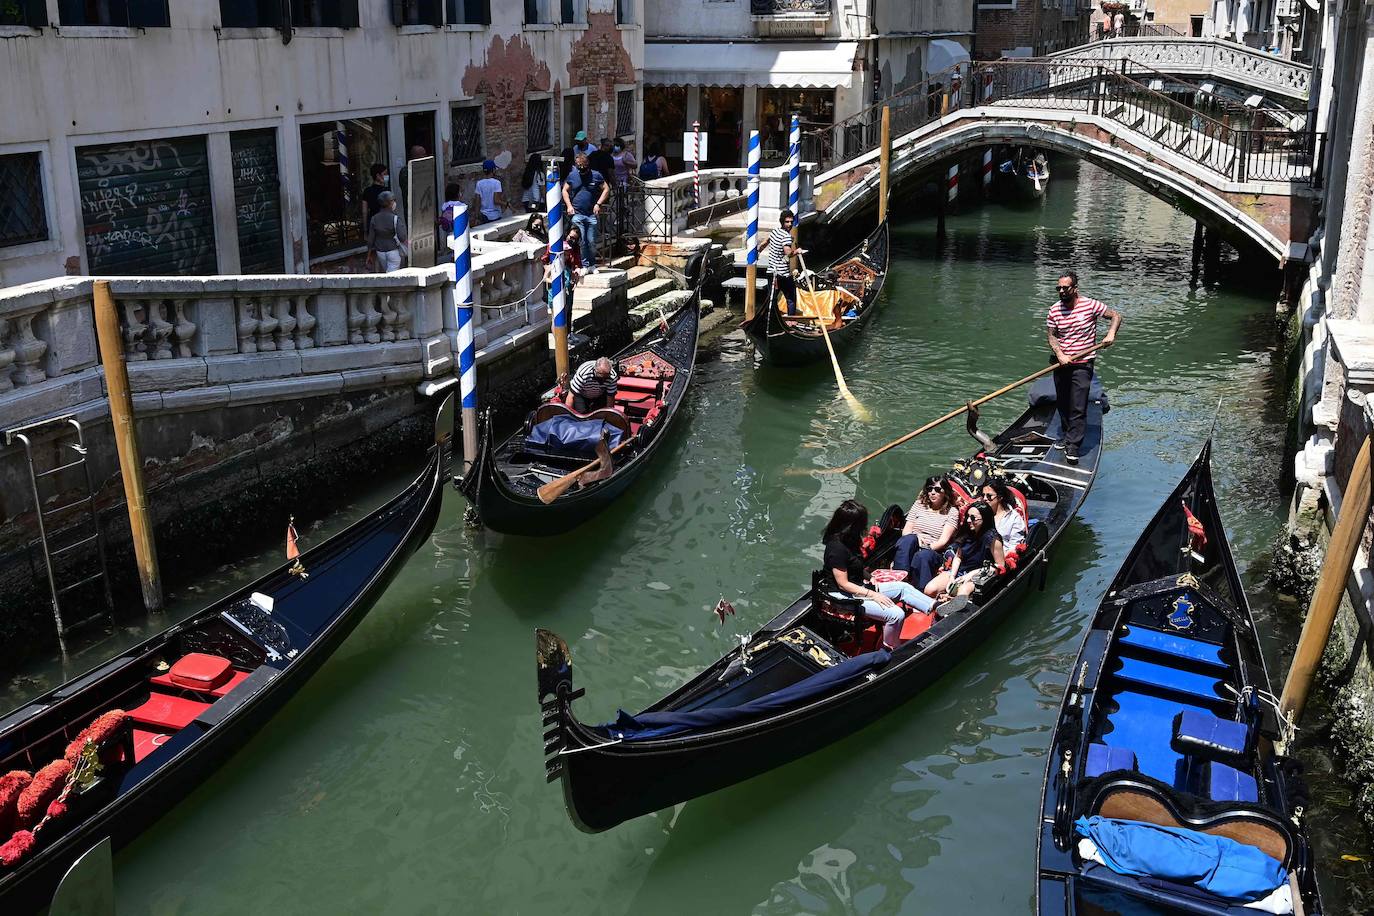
944, 54
810, 65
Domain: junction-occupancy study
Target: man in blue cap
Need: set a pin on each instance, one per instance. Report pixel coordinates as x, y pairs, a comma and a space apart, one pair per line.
491, 199
583, 194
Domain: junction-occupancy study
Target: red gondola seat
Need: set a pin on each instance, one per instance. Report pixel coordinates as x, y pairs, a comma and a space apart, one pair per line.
168, 712
201, 673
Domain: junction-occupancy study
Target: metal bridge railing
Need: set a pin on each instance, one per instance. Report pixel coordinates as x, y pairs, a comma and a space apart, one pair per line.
1137, 30
1234, 143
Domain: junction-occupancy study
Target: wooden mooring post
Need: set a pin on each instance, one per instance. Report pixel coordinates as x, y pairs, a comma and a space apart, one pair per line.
884, 162
126, 442
1326, 599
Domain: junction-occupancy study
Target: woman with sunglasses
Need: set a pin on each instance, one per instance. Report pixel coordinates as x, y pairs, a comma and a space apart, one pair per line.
844, 564
977, 554
1011, 527
930, 526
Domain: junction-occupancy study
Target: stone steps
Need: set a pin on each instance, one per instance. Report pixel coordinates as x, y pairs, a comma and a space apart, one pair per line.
643, 292
645, 313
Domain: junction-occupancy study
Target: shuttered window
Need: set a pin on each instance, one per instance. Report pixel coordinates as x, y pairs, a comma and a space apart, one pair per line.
625, 113
337, 14
32, 13
145, 207
250, 14
417, 12
538, 125
467, 134
257, 201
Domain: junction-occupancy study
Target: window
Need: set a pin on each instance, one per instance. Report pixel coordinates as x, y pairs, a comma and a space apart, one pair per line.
417, 12
23, 217
337, 14
538, 125
469, 12
32, 13
250, 14
574, 12
336, 161
466, 143
625, 113
136, 13
538, 12
624, 12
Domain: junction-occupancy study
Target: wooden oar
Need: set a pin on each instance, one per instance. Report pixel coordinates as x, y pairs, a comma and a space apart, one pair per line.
949, 416
859, 410
556, 488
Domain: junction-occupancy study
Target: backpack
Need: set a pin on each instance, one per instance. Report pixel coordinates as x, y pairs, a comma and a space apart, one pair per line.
648, 170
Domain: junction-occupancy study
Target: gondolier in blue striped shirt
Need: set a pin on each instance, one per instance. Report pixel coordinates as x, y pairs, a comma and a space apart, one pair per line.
778, 260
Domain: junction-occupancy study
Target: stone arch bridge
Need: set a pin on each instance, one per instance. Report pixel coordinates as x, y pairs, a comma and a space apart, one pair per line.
1250, 169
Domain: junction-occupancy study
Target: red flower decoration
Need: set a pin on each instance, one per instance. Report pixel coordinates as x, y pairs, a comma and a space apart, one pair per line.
16, 848
47, 784
11, 785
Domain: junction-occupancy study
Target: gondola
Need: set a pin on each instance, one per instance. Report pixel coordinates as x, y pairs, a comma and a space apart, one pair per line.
811, 675
1168, 723
111, 751
860, 275
503, 482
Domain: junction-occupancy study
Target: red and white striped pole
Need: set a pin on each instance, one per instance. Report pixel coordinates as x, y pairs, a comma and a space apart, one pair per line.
987, 168
696, 163
953, 182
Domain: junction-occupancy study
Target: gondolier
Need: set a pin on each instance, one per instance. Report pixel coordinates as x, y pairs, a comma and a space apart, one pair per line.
1071, 326
780, 251
593, 385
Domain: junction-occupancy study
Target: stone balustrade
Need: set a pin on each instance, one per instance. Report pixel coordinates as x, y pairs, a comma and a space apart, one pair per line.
723, 191
204, 342
1202, 57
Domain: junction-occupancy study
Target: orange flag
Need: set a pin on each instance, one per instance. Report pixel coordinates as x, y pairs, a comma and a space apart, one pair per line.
1197, 535
292, 550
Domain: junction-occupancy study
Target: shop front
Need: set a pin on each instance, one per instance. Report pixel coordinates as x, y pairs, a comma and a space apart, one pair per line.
732, 88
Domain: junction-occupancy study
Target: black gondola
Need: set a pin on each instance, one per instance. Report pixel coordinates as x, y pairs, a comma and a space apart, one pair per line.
1168, 721
860, 274
807, 677
503, 482
162, 715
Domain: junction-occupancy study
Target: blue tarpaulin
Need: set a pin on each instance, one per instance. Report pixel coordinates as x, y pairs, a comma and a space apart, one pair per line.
663, 724
571, 435
1216, 864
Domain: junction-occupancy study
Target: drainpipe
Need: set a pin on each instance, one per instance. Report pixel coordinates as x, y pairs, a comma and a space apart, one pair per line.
286, 29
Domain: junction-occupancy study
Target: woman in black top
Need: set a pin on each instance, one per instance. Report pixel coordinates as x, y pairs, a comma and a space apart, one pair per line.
845, 565
977, 554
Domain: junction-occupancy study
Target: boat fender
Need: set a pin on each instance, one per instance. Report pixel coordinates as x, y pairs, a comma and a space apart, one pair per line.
692, 272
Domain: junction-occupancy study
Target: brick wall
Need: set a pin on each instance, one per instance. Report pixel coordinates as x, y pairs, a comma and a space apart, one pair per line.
1028, 25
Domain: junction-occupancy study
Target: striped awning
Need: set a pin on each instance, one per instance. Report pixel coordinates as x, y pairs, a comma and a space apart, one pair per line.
806, 65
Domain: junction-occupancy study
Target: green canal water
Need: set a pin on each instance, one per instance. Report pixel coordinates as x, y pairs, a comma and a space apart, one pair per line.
407, 776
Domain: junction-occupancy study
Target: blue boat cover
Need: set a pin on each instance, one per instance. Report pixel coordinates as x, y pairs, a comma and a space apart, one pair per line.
1216, 864
571, 435
662, 724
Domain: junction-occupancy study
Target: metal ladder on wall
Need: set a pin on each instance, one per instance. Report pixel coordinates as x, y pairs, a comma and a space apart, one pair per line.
87, 530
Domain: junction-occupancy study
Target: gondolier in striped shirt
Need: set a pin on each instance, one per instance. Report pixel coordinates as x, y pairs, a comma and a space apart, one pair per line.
593, 385
779, 263
1072, 330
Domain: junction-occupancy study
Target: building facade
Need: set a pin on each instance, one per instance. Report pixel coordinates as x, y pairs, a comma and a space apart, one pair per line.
235, 136
739, 65
1030, 28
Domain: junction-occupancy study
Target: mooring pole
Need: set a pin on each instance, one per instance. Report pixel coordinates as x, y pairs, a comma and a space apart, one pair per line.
1321, 613
751, 237
461, 244
553, 204
111, 342
884, 162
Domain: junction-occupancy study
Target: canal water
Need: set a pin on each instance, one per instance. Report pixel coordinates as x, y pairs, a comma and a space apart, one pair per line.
407, 776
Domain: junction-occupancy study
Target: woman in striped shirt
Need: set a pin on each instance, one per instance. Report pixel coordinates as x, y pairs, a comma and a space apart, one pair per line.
930, 526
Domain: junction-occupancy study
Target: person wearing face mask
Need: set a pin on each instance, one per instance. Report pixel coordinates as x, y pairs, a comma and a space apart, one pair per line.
625, 161
1071, 326
601, 159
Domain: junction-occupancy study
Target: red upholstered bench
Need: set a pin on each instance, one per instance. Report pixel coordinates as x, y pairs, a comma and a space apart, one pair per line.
201, 673
637, 384
165, 711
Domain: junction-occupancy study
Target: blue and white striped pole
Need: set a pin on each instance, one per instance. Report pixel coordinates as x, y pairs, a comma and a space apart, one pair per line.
553, 204
751, 236
461, 243
794, 167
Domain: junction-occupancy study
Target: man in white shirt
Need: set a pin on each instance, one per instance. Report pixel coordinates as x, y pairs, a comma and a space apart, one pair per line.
490, 196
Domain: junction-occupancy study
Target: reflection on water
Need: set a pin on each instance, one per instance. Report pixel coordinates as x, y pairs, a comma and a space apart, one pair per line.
407, 775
